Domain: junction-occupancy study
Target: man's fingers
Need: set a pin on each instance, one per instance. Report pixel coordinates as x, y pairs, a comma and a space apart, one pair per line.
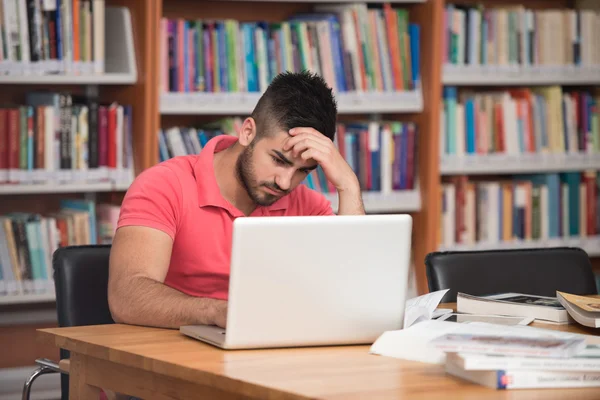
292, 141
308, 144
314, 154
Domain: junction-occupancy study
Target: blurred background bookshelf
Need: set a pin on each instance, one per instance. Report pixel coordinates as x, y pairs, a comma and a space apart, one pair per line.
519, 126
73, 120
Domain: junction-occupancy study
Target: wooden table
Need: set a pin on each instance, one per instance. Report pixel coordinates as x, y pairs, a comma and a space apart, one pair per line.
163, 364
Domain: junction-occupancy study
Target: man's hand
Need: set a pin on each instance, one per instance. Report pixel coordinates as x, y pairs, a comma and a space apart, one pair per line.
309, 143
220, 317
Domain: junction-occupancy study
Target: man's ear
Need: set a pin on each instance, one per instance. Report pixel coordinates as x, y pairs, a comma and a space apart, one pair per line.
248, 132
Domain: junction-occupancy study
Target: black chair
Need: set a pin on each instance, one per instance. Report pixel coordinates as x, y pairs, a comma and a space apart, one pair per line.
539, 271
81, 282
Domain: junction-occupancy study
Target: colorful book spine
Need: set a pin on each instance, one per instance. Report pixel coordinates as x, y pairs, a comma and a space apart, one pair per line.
521, 208
27, 242
519, 121
509, 37
382, 154
60, 138
354, 47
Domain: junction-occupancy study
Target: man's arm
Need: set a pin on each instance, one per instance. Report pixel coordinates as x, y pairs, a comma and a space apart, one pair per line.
310, 143
139, 261
350, 201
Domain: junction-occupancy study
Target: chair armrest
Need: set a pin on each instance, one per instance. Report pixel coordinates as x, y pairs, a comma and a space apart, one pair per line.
62, 366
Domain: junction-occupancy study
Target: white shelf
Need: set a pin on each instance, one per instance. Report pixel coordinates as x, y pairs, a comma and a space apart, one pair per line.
120, 59
334, 1
62, 188
517, 164
175, 103
27, 298
99, 79
376, 202
591, 245
505, 75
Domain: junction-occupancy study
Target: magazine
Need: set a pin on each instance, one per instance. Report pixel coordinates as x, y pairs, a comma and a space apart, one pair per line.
583, 309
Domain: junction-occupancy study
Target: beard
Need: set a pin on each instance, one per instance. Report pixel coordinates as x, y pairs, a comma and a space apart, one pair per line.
246, 176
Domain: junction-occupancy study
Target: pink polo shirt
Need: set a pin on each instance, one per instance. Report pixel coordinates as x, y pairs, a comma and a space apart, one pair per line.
181, 197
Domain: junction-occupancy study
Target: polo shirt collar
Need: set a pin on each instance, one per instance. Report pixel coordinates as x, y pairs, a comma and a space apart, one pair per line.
209, 193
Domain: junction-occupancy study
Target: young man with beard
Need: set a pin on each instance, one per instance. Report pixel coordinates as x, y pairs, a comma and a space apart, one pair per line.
169, 263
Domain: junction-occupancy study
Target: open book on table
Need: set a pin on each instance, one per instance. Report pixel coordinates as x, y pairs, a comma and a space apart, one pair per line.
583, 309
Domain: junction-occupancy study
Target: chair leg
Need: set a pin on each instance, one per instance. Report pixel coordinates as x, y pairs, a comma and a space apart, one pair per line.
35, 374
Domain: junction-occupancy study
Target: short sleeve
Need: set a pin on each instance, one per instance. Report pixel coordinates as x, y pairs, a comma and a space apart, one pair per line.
314, 203
153, 200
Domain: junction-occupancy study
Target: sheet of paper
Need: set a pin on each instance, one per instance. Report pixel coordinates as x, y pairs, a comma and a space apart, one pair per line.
413, 343
422, 308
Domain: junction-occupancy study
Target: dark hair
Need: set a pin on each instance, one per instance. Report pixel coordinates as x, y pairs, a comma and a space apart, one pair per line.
296, 99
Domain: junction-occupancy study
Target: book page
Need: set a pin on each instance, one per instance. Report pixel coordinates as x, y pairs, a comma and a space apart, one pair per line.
422, 308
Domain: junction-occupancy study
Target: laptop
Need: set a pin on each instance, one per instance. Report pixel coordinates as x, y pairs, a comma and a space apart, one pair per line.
313, 281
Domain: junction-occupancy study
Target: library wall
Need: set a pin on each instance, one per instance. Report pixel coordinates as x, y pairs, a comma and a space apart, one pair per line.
469, 125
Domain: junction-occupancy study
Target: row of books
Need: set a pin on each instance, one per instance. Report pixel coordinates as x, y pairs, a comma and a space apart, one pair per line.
46, 37
381, 153
517, 121
516, 36
523, 207
58, 137
27, 241
354, 48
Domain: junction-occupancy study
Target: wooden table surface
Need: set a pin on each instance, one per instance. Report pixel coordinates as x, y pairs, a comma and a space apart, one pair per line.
164, 364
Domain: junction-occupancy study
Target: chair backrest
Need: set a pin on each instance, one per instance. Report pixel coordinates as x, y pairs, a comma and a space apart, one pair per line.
81, 283
539, 271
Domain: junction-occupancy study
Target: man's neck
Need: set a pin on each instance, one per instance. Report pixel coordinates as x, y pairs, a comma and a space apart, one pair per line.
229, 185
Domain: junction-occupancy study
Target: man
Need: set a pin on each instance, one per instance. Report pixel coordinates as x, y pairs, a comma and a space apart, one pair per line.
169, 264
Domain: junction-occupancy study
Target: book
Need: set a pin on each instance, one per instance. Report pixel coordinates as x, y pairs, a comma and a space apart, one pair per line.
526, 379
587, 359
583, 309
509, 345
513, 304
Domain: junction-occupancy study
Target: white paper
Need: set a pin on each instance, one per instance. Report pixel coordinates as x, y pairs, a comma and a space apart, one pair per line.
422, 308
413, 343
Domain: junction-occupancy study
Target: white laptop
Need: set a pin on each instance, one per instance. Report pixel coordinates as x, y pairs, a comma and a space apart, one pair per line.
313, 281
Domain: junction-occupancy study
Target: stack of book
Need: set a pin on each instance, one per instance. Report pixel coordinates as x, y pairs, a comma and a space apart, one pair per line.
532, 358
520, 121
381, 153
522, 207
49, 37
27, 242
515, 36
354, 47
61, 138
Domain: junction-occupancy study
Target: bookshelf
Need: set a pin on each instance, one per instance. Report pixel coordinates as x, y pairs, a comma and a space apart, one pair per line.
124, 77
560, 62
